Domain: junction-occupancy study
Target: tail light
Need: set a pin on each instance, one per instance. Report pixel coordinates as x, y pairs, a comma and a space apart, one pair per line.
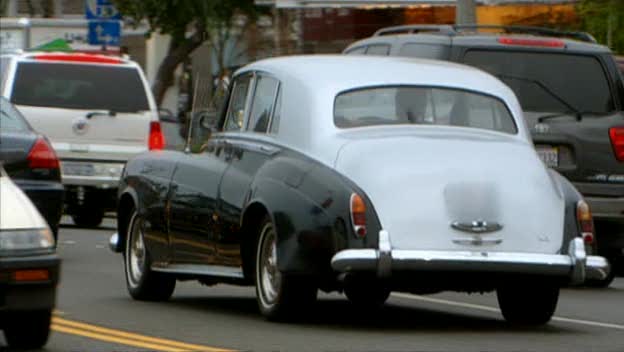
585, 222
358, 215
156, 137
617, 141
42, 156
548, 43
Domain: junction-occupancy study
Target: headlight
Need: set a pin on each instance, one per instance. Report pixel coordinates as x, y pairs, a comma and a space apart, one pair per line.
26, 239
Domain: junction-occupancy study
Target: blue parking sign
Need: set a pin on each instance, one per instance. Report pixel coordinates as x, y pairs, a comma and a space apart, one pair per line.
101, 10
105, 33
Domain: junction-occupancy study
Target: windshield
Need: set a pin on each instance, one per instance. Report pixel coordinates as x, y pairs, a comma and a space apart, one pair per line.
579, 80
75, 86
422, 106
10, 119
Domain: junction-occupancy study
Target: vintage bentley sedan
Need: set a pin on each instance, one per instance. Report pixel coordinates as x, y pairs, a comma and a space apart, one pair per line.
364, 175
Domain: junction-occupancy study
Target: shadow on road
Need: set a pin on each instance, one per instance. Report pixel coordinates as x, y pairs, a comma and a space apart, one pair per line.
342, 315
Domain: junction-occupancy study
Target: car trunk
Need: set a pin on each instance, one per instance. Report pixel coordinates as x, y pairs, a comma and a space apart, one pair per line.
14, 149
422, 182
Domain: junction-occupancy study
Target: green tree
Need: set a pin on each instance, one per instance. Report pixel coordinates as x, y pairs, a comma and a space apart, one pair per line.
604, 19
190, 23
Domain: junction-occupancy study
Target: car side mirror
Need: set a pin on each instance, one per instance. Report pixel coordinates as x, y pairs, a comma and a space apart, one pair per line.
166, 115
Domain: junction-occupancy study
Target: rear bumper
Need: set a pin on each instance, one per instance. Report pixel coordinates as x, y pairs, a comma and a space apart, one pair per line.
28, 295
46, 196
575, 266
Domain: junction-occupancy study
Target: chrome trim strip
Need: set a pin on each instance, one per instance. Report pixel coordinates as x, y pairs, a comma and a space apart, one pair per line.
196, 269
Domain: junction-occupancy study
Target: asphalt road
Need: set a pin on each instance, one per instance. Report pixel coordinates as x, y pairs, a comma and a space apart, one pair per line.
95, 313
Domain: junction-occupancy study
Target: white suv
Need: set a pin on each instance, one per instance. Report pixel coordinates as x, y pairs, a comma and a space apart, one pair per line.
97, 111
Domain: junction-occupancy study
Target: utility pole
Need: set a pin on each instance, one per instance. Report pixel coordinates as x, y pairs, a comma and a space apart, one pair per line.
466, 12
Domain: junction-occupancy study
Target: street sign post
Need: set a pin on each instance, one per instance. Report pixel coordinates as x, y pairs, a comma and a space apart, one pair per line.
104, 23
106, 33
101, 10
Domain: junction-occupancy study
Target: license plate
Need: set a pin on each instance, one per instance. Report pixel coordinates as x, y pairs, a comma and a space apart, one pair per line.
77, 169
549, 155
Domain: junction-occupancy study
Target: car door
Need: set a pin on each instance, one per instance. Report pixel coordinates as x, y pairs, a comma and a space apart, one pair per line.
194, 224
245, 154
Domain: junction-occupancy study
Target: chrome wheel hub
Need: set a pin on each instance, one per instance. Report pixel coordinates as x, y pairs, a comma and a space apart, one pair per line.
136, 258
269, 275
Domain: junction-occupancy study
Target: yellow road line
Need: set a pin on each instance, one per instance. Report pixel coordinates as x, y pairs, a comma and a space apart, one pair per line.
125, 338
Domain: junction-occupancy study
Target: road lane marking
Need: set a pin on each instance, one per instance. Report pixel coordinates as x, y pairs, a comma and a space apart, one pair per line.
496, 310
126, 338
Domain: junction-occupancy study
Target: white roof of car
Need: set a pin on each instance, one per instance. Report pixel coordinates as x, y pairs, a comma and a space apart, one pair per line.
310, 83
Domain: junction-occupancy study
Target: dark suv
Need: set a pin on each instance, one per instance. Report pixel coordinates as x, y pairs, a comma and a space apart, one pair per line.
571, 92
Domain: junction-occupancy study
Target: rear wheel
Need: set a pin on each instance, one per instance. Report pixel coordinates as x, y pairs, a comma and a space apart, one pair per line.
143, 283
88, 217
528, 304
28, 330
280, 296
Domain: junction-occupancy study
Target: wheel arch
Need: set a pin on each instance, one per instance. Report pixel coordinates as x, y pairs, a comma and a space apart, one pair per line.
251, 219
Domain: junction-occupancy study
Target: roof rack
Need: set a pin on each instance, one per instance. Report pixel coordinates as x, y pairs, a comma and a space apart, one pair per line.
582, 36
452, 30
417, 28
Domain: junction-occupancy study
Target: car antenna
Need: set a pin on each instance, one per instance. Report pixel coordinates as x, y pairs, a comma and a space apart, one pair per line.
187, 147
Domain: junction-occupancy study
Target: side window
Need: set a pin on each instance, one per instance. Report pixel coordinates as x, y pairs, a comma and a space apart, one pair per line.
236, 110
262, 103
425, 51
277, 112
378, 49
360, 50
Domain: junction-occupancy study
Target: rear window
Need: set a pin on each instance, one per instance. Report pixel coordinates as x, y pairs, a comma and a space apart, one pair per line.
75, 86
405, 105
10, 118
578, 79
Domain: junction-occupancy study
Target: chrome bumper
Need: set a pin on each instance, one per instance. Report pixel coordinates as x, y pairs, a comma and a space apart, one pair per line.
113, 243
575, 265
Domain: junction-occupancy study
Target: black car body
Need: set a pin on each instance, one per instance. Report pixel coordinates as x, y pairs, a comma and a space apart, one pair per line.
31, 162
29, 269
571, 91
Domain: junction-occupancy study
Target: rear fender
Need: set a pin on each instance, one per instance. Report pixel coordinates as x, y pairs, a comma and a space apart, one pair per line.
309, 205
571, 198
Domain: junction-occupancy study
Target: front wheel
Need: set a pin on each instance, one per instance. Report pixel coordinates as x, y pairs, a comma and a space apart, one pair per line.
28, 330
143, 283
280, 296
528, 304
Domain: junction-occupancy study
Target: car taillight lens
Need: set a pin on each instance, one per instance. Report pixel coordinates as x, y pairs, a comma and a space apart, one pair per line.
358, 215
156, 137
585, 221
617, 141
548, 43
42, 156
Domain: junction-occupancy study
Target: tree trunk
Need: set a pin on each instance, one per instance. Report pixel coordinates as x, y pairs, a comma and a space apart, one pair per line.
179, 50
465, 12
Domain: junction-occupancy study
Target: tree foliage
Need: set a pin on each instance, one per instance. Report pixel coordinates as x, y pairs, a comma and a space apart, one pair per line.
190, 23
604, 19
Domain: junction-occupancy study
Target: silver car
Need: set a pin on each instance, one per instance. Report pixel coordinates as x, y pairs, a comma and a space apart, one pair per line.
97, 111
